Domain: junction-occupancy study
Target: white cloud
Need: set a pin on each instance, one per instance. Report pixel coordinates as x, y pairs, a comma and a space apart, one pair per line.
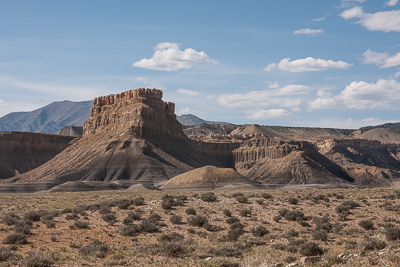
270, 67
392, 2
308, 64
262, 114
261, 98
360, 95
385, 21
184, 111
149, 83
273, 85
188, 92
168, 57
3, 103
319, 19
383, 60
308, 31
397, 75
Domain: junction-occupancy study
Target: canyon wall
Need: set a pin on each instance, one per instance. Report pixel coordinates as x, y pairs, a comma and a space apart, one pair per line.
23, 151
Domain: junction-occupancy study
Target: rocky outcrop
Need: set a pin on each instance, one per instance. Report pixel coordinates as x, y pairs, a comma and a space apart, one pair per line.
71, 131
140, 111
23, 151
272, 161
222, 152
133, 136
369, 162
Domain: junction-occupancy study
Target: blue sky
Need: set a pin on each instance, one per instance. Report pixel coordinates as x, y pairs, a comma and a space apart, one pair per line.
314, 63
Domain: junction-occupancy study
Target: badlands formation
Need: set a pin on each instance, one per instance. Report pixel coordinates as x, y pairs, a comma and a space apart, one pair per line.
133, 140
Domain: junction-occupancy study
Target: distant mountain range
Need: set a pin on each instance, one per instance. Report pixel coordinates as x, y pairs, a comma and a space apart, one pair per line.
48, 119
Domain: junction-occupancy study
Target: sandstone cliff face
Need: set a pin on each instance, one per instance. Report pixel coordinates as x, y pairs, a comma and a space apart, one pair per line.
274, 161
369, 162
141, 111
23, 151
133, 136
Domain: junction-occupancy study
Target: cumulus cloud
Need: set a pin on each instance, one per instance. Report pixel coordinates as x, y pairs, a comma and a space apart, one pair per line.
168, 57
149, 83
188, 92
307, 64
184, 111
392, 2
262, 114
383, 60
3, 103
308, 31
385, 21
360, 95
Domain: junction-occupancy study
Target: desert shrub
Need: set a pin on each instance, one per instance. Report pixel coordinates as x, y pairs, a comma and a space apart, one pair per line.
227, 213
38, 259
292, 215
33, 216
167, 202
174, 236
290, 259
97, 249
293, 200
232, 220
277, 218
245, 213
279, 246
266, 195
154, 217
134, 215
222, 262
190, 211
302, 222
392, 233
10, 218
170, 249
236, 225
22, 227
259, 231
209, 197
366, 224
373, 244
5, 253
109, 217
211, 227
72, 216
81, 224
230, 250
139, 201
282, 212
16, 239
242, 199
123, 204
310, 249
148, 226
175, 219
321, 235
260, 201
233, 235
291, 233
129, 230
197, 220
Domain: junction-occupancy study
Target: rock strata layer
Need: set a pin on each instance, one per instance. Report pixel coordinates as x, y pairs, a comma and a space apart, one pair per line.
23, 151
133, 136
